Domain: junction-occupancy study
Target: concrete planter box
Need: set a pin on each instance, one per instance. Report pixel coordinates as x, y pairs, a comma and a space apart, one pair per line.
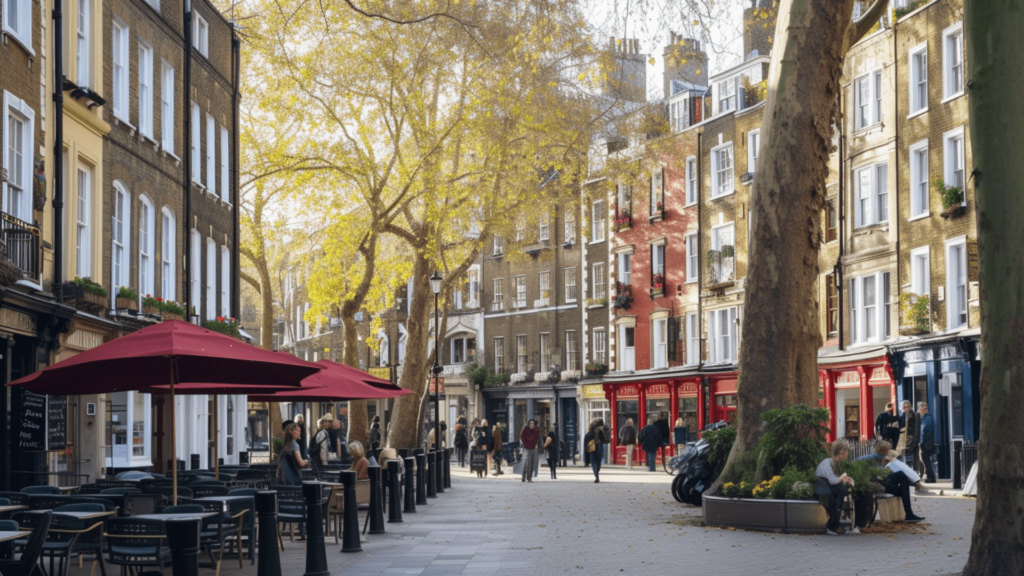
786, 516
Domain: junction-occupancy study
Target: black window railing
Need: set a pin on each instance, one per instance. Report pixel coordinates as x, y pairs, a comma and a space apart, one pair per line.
20, 243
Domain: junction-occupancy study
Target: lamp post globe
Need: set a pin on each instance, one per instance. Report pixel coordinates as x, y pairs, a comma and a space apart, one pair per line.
435, 286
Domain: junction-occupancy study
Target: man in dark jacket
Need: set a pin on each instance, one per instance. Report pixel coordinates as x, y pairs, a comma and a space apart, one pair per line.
909, 425
650, 441
927, 445
627, 438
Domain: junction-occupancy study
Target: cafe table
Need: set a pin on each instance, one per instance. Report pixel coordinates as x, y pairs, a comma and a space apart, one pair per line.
176, 516
8, 535
12, 508
81, 515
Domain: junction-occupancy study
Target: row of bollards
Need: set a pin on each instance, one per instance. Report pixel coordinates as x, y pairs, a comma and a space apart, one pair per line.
427, 474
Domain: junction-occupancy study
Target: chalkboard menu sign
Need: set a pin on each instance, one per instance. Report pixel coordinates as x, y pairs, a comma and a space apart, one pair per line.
478, 460
56, 422
32, 422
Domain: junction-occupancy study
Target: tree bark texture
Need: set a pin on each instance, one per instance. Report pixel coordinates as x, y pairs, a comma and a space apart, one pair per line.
781, 336
358, 425
408, 419
994, 35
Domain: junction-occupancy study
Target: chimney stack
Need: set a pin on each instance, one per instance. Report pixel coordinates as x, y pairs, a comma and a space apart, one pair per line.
686, 61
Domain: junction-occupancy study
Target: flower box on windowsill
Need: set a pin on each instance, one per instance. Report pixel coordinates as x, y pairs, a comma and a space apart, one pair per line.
657, 291
911, 331
127, 304
571, 375
954, 211
719, 286
658, 217
596, 302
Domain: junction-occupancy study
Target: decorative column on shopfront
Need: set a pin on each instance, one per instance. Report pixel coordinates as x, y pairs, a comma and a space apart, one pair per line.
828, 400
867, 419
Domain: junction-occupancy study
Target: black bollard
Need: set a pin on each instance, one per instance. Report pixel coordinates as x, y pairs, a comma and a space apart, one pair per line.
316, 552
431, 474
269, 555
439, 471
183, 540
410, 486
421, 479
195, 461
394, 512
376, 500
350, 521
385, 482
448, 468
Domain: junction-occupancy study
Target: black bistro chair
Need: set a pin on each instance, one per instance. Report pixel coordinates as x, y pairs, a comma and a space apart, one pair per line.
47, 501
69, 534
291, 510
137, 543
28, 564
136, 504
41, 490
16, 498
7, 548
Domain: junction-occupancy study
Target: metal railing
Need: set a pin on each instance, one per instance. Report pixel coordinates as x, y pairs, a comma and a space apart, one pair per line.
20, 242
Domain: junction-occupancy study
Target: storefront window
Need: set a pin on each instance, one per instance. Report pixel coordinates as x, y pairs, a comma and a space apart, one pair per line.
688, 412
726, 407
659, 408
624, 410
128, 430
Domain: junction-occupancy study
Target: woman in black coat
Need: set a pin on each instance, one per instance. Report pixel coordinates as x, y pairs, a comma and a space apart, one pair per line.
593, 453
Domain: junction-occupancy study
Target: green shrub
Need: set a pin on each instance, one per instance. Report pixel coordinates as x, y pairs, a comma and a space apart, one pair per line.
793, 437
721, 441
951, 195
483, 375
792, 476
865, 476
88, 285
226, 326
801, 491
127, 293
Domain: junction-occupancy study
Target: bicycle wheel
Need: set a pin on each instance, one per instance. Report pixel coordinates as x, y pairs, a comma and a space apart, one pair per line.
669, 465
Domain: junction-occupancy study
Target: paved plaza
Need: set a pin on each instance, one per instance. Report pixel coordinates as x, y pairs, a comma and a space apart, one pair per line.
627, 524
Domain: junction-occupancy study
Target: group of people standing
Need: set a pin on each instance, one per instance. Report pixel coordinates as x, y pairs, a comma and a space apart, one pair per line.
913, 435
650, 439
327, 444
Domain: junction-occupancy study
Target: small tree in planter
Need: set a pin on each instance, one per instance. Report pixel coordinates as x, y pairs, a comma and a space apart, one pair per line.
952, 199
595, 368
915, 311
127, 299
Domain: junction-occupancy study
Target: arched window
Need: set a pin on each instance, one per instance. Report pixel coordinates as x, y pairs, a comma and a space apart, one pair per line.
196, 274
147, 247
225, 281
168, 253
120, 238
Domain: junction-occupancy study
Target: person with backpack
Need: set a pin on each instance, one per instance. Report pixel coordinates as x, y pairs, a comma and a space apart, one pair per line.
320, 445
593, 447
461, 442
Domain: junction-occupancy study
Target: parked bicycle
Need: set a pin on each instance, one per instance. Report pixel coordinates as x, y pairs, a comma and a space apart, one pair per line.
694, 474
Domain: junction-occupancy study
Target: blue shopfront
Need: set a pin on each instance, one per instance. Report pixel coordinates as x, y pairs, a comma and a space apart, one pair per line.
944, 373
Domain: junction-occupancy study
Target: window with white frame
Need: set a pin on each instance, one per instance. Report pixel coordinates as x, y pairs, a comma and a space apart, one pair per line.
723, 243
657, 191
225, 165
658, 260
871, 204
753, 150
659, 343
691, 257
120, 237
168, 254
624, 197
83, 231
200, 34
571, 351
474, 287
920, 271
197, 133
83, 33
211, 155
520, 228
599, 281
147, 247
225, 281
18, 138
145, 95
722, 170
570, 226
692, 339
953, 156
870, 307
499, 245
211, 279
520, 291
727, 95
545, 287
722, 336
624, 267
570, 285
600, 346
463, 349
919, 179
867, 91
119, 55
498, 299
956, 279
521, 356
499, 355
599, 217
691, 180
919, 79
544, 227
196, 276
17, 22
627, 348
545, 352
167, 108
953, 61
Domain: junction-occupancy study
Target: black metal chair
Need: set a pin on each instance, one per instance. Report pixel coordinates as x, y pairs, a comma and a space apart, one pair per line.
108, 504
244, 514
41, 490
66, 536
183, 492
185, 509
16, 498
214, 529
47, 501
137, 543
7, 548
28, 564
291, 510
136, 504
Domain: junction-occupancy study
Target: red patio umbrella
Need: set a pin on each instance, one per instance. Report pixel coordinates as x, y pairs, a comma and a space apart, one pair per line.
336, 382
172, 356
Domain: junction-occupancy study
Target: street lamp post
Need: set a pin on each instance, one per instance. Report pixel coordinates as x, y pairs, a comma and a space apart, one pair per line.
435, 286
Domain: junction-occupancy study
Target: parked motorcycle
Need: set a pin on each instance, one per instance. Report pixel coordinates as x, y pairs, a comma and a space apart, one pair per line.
693, 472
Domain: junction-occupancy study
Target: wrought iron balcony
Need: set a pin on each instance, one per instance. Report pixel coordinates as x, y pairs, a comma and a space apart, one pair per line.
20, 244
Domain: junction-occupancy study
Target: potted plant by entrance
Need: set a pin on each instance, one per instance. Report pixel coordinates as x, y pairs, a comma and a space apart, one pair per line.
127, 299
952, 199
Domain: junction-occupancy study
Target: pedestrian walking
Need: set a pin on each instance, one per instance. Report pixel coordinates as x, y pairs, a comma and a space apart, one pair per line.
430, 437
375, 432
887, 425
627, 438
319, 446
483, 441
529, 436
650, 441
461, 442
551, 446
496, 439
927, 446
593, 451
303, 438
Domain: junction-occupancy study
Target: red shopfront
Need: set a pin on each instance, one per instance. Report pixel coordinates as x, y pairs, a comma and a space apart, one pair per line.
723, 397
667, 399
855, 393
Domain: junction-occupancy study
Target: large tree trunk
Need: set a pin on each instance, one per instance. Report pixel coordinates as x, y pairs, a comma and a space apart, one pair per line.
994, 46
358, 425
781, 335
266, 306
407, 419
